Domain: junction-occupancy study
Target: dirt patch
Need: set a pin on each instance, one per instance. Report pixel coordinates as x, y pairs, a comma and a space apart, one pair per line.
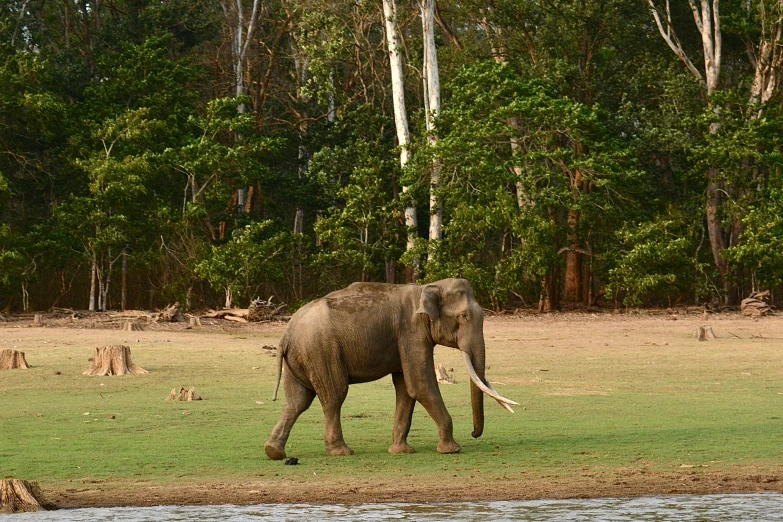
143, 321
631, 483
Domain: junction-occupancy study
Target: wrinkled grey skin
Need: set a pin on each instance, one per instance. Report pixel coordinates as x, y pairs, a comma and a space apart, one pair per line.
370, 330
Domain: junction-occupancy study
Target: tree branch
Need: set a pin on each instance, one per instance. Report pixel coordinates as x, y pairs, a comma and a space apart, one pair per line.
671, 40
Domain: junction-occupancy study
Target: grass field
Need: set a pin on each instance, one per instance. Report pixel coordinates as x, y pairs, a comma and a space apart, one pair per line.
610, 405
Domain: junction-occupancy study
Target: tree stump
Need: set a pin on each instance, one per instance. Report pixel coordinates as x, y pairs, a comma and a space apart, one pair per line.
22, 496
442, 375
113, 360
704, 333
37, 320
172, 314
12, 360
131, 326
184, 395
194, 321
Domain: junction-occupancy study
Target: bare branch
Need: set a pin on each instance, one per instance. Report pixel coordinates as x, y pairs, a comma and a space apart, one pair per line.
251, 28
670, 38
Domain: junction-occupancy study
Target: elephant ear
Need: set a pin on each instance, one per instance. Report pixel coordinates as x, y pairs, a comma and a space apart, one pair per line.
429, 303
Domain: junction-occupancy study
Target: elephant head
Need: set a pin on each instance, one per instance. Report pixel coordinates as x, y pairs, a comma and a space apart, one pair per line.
456, 320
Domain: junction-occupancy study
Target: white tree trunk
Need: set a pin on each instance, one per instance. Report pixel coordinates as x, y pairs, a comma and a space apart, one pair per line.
229, 298
400, 112
432, 96
332, 114
707, 19
303, 160
239, 44
302, 64
766, 57
93, 270
124, 292
105, 292
99, 276
498, 52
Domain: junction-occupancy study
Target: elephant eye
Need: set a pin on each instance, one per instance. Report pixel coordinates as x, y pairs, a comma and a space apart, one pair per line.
463, 316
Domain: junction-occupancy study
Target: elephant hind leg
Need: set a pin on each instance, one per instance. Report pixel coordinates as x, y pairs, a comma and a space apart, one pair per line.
402, 417
297, 400
332, 399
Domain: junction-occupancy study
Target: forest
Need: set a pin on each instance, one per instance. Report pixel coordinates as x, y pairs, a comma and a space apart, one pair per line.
616, 153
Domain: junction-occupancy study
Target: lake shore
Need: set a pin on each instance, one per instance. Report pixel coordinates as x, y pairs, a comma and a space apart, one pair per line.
610, 485
611, 405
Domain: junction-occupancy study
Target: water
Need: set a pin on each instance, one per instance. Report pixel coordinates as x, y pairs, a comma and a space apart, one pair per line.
708, 508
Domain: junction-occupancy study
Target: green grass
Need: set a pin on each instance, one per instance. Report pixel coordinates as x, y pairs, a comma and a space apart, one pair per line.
598, 407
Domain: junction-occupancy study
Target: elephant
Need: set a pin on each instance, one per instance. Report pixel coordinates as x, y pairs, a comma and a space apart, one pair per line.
367, 331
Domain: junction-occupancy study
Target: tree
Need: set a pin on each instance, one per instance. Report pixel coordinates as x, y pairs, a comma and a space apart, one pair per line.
431, 78
241, 37
360, 235
400, 121
707, 20
240, 266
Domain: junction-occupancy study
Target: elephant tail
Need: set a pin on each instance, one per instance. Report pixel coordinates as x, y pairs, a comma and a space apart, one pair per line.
281, 351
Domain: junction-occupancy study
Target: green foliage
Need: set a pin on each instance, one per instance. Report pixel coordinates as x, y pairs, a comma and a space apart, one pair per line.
142, 75
562, 124
625, 407
761, 249
506, 208
653, 261
362, 228
11, 260
252, 258
214, 163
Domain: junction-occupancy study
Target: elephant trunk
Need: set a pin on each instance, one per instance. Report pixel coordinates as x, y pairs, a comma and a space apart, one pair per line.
476, 395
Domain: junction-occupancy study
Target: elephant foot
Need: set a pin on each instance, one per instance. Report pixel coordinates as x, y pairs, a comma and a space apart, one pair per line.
448, 446
274, 452
399, 449
339, 450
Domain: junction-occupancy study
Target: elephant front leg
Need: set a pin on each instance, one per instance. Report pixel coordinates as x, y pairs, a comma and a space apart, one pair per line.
402, 417
297, 400
437, 410
419, 369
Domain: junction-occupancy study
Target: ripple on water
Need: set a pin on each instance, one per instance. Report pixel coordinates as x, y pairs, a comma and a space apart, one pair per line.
707, 508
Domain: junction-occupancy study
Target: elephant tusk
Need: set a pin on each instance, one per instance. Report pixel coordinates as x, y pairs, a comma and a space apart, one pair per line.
489, 390
506, 406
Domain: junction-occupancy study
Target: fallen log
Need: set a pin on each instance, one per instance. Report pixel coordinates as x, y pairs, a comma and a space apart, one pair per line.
131, 326
260, 310
131, 313
755, 304
220, 314
235, 318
